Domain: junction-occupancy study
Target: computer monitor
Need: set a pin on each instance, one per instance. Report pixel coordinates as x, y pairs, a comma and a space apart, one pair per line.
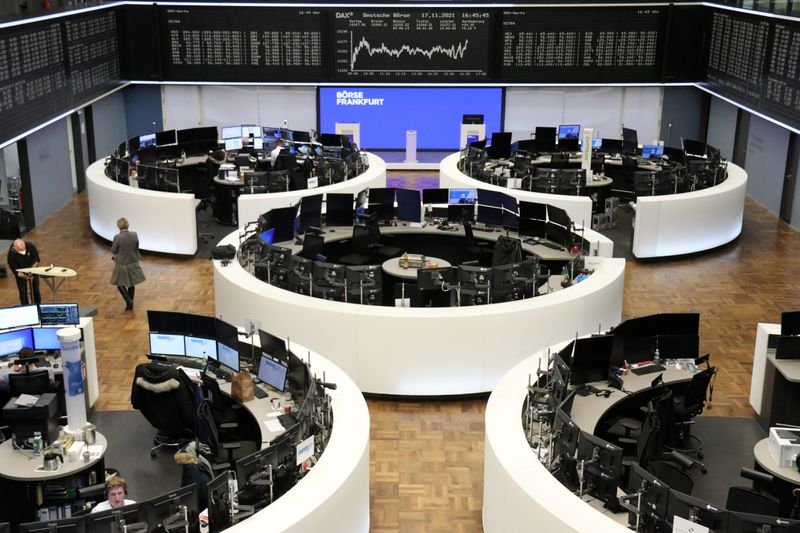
111, 521
149, 141
504, 276
567, 434
490, 198
64, 525
232, 132
310, 212
11, 342
559, 216
227, 344
545, 138
267, 236
45, 339
696, 511
164, 138
167, 344
591, 360
567, 402
528, 227
559, 235
790, 323
19, 316
228, 356
220, 503
601, 463
273, 346
234, 144
694, 148
301, 136
276, 256
339, 209
256, 472
409, 207
754, 523
461, 213
463, 196
501, 145
597, 144
200, 348
329, 274
177, 506
469, 275
612, 146
282, 219
532, 210
59, 314
630, 140
364, 276
273, 373
491, 216
429, 279
569, 131
510, 208
435, 196
568, 144
650, 151
654, 495
472, 118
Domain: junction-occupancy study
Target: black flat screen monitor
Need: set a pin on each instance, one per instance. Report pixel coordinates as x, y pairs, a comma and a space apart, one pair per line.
381, 211
694, 148
501, 145
463, 196
510, 208
532, 210
301, 136
461, 213
273, 346
654, 497
630, 140
59, 314
200, 347
329, 274
505, 276
491, 216
164, 138
591, 360
479, 146
364, 276
220, 503
167, 344
435, 196
19, 316
310, 212
276, 256
149, 140
381, 195
559, 235
254, 472
528, 227
429, 279
558, 387
283, 220
569, 131
565, 447
787, 347
339, 209
227, 344
110, 521
696, 511
490, 198
173, 505
602, 468
472, 119
790, 323
556, 215
545, 138
568, 145
273, 373
330, 139
64, 525
652, 151
612, 146
754, 523
45, 339
409, 207
469, 275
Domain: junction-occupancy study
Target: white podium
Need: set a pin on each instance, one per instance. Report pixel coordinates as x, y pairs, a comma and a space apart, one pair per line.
471, 133
353, 129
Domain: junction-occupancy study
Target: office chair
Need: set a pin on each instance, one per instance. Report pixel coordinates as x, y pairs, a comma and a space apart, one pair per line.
506, 251
218, 440
312, 246
688, 405
362, 246
383, 251
36, 382
475, 249
164, 394
752, 499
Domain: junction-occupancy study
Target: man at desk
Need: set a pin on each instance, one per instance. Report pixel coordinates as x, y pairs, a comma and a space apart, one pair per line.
24, 255
116, 490
273, 155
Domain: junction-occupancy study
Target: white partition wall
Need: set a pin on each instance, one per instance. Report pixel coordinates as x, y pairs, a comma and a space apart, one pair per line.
422, 351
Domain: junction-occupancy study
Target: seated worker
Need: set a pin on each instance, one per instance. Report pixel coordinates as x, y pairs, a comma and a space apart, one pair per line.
116, 490
14, 368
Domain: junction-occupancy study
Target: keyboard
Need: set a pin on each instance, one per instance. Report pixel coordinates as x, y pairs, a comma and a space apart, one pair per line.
287, 420
650, 369
259, 392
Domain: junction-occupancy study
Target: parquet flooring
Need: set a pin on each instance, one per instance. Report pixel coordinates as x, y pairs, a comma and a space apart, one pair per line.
427, 457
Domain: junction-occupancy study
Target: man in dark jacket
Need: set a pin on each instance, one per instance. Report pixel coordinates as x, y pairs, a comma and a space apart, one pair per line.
24, 255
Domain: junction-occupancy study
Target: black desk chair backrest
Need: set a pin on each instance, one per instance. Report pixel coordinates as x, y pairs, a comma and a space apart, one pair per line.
506, 251
692, 402
753, 500
362, 239
36, 382
312, 246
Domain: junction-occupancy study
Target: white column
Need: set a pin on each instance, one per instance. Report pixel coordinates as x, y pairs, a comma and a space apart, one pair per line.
70, 339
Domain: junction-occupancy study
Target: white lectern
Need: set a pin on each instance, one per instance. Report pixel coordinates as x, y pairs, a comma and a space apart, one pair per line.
471, 133
353, 129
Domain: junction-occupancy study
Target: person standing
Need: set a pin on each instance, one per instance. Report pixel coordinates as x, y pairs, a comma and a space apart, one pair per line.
127, 271
24, 255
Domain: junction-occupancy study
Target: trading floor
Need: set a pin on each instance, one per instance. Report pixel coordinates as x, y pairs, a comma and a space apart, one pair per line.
427, 458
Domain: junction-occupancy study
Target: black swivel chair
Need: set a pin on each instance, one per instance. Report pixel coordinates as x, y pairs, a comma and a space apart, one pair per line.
752, 499
219, 437
364, 249
383, 251
165, 396
476, 249
36, 382
312, 246
688, 405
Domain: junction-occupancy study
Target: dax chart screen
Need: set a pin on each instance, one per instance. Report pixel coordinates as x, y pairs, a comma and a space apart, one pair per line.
413, 45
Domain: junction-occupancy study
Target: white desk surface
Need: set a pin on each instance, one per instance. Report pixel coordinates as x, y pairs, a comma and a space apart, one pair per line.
789, 368
393, 268
764, 459
23, 466
467, 349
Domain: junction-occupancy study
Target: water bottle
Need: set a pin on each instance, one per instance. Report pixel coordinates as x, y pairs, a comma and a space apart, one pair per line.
37, 444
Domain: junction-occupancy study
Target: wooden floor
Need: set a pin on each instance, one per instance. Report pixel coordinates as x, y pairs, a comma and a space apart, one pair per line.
427, 457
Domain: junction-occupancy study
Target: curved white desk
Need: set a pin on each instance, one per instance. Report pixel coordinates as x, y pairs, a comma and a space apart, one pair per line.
422, 351
518, 489
253, 205
684, 223
336, 490
579, 208
165, 221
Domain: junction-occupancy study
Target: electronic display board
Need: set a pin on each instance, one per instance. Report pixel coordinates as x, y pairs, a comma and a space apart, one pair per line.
587, 44
782, 86
242, 44
413, 45
92, 54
